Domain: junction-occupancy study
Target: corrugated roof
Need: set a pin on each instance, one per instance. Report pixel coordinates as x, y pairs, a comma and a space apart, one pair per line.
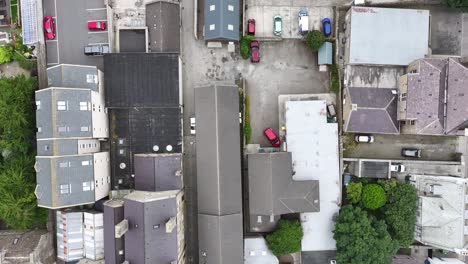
218, 151
325, 53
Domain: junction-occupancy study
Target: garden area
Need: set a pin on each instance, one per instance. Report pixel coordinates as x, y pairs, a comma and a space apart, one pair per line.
378, 220
18, 209
17, 51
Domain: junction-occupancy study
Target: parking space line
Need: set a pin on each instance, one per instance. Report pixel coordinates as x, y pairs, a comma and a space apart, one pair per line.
51, 40
95, 9
96, 32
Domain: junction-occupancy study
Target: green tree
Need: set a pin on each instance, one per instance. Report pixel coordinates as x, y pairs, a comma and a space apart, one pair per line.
17, 114
361, 239
456, 3
400, 211
18, 208
354, 192
286, 238
5, 55
315, 39
244, 44
373, 196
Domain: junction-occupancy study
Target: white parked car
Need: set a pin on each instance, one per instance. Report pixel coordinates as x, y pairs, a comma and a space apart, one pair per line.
192, 126
397, 168
364, 138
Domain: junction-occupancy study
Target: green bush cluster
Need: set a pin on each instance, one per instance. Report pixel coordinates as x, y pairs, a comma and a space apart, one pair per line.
389, 208
334, 79
17, 51
245, 46
315, 39
286, 238
373, 196
18, 207
354, 192
247, 127
456, 3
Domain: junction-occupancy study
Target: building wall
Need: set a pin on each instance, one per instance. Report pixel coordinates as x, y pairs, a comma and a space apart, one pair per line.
101, 175
100, 121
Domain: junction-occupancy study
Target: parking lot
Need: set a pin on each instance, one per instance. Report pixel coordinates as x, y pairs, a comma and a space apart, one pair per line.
286, 67
263, 15
389, 147
72, 35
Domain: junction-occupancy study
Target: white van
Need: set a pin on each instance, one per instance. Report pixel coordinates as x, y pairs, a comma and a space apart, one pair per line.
303, 22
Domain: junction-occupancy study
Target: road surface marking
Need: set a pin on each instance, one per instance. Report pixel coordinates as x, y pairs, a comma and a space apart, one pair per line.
96, 32
106, 43
94, 9
57, 31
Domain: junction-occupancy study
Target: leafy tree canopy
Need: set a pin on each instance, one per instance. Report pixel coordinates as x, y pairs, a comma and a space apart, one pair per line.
456, 3
5, 55
18, 208
286, 238
361, 239
400, 211
353, 192
315, 39
373, 196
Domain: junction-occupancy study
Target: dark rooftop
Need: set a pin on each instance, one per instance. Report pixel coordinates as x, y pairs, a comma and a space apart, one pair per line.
141, 79
374, 110
139, 130
318, 257
132, 40
375, 169
163, 19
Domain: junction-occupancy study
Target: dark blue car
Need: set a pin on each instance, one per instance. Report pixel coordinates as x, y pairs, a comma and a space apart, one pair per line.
326, 27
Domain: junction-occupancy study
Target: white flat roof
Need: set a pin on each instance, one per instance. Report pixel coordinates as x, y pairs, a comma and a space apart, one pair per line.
314, 146
388, 36
256, 252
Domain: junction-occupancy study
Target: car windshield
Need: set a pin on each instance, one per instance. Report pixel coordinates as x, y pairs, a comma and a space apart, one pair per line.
48, 30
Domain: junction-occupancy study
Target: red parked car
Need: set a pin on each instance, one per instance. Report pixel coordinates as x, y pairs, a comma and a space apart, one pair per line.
272, 137
49, 27
254, 51
96, 25
251, 27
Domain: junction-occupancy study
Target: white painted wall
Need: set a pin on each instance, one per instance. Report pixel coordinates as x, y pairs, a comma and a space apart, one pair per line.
88, 146
101, 175
99, 116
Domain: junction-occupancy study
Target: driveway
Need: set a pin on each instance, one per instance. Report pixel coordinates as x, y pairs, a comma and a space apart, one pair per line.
389, 147
286, 67
72, 35
263, 15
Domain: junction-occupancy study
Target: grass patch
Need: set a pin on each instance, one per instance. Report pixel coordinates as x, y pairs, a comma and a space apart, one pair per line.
244, 45
14, 12
334, 79
247, 127
349, 144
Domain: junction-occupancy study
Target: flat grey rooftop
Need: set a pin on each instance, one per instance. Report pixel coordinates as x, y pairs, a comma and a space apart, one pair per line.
388, 36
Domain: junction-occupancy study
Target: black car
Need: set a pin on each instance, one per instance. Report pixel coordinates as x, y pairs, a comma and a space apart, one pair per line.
411, 152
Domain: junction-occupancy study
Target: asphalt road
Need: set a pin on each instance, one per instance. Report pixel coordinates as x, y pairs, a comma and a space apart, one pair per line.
389, 147
72, 35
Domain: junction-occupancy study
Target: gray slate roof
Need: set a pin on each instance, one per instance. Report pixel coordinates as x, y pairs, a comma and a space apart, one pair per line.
218, 151
60, 181
438, 81
375, 111
66, 146
224, 15
74, 76
272, 191
318, 257
375, 169
220, 239
158, 172
63, 124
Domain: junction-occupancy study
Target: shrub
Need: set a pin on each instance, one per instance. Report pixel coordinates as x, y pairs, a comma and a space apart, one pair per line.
286, 238
18, 208
361, 238
353, 192
5, 55
245, 46
373, 196
400, 211
315, 39
456, 3
247, 127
